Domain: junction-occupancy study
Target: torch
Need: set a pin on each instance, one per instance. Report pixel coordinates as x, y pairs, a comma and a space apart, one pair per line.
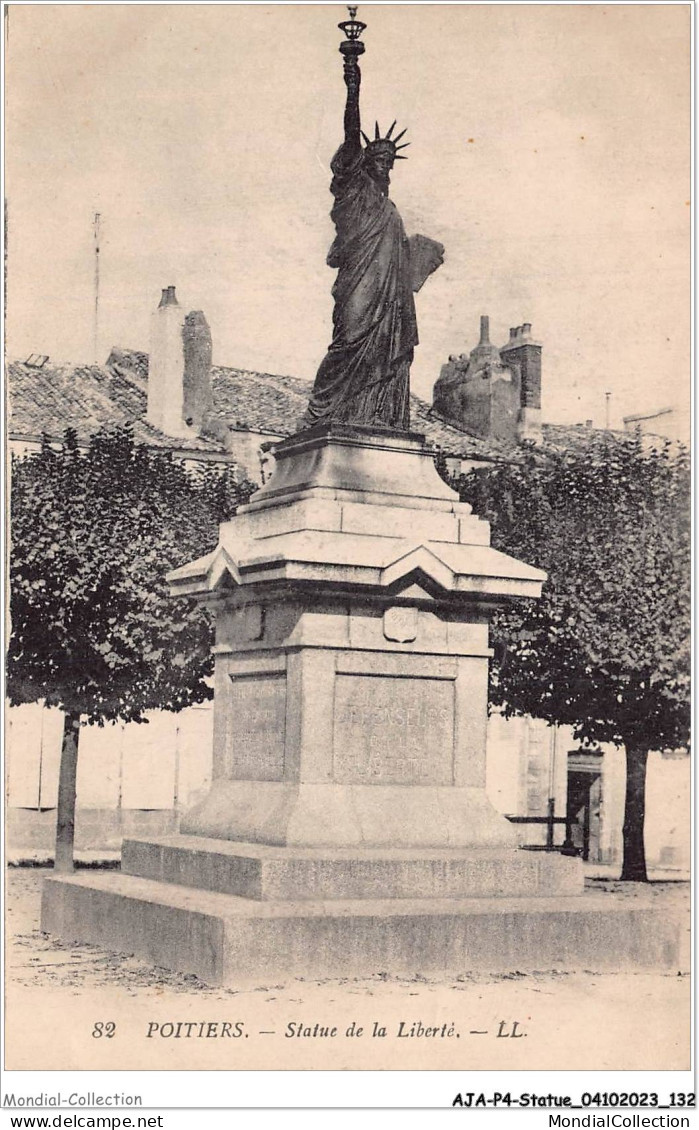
351, 47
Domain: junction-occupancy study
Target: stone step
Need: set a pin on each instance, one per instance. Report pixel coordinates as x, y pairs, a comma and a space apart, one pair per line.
259, 871
227, 940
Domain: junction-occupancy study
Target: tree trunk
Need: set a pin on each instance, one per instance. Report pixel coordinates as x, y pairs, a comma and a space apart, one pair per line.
634, 866
65, 817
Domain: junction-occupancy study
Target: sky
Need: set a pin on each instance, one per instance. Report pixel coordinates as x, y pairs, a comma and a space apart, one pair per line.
550, 154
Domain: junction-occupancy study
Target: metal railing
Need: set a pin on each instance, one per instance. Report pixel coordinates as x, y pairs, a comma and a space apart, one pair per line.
550, 820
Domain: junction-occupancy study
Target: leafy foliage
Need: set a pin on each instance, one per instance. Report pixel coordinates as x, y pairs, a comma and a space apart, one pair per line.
93, 535
606, 649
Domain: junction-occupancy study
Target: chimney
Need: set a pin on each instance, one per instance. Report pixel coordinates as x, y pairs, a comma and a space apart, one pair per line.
168, 297
523, 352
479, 393
179, 368
484, 351
196, 343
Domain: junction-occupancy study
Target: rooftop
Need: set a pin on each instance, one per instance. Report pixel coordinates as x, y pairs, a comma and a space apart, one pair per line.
56, 395
59, 395
647, 415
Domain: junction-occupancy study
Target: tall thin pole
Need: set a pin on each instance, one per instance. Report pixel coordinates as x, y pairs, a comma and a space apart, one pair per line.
607, 397
96, 233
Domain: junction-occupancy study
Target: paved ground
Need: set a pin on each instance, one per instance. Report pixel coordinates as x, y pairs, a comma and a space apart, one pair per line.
58, 995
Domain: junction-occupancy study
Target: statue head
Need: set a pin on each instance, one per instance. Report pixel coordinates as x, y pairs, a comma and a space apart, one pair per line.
381, 153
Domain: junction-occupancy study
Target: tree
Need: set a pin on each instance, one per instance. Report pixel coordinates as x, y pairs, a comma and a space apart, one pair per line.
94, 632
606, 649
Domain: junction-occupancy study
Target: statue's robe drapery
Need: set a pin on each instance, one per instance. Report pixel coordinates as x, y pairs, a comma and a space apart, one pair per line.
365, 376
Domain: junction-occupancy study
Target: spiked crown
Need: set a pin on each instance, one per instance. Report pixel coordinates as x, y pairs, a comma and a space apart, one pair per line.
386, 144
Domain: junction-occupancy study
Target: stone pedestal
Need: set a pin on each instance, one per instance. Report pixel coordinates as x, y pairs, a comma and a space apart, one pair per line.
352, 599
347, 828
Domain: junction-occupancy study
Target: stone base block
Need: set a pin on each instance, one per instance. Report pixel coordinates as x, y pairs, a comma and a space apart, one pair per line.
259, 871
355, 816
226, 940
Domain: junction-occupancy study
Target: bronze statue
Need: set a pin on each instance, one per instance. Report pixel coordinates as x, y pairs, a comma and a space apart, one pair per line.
365, 376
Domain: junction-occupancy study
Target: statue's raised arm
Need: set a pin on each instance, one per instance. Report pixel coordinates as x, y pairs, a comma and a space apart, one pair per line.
353, 81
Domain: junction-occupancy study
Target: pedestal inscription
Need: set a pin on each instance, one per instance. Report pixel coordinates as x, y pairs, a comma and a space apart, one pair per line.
258, 715
393, 731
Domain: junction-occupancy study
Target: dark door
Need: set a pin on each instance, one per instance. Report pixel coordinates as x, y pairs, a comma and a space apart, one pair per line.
583, 810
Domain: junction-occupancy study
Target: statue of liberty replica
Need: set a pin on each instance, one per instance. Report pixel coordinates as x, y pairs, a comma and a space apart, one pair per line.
365, 376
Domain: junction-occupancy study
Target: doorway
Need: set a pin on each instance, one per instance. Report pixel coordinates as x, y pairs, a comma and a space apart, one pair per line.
583, 806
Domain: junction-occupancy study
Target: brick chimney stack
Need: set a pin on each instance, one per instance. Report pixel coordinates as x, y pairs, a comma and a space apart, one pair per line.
524, 354
179, 368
